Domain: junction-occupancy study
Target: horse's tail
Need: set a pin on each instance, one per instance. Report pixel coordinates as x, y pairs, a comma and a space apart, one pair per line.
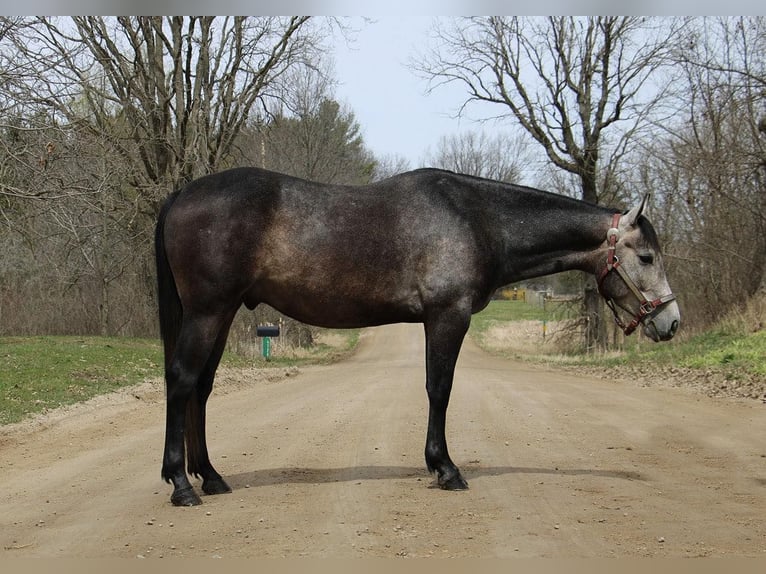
170, 309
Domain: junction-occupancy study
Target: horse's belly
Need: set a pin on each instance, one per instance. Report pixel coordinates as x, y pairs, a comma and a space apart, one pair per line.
341, 303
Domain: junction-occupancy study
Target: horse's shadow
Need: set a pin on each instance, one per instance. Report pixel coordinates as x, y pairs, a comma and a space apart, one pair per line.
299, 475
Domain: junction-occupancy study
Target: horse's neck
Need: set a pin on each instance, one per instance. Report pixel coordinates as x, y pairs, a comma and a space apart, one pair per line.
544, 240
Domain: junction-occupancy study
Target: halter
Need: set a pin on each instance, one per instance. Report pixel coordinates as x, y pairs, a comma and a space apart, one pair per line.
646, 308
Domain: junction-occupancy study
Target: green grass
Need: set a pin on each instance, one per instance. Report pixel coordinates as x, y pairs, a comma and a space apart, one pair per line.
38, 373
502, 310
324, 354
728, 349
728, 352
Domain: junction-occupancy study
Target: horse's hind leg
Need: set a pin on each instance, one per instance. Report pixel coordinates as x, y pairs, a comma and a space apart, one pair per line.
444, 337
195, 344
196, 443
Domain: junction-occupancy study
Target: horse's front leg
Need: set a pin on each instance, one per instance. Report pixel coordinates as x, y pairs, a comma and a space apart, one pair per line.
444, 337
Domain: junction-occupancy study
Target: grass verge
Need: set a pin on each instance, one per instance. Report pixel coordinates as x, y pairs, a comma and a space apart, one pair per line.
728, 359
728, 352
42, 373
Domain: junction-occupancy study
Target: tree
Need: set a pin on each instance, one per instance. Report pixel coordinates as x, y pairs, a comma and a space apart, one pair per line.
182, 88
308, 134
389, 165
323, 143
724, 63
500, 157
100, 118
707, 169
580, 87
77, 234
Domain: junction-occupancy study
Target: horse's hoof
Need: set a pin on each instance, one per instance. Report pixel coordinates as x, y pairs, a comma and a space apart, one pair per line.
215, 486
456, 482
185, 497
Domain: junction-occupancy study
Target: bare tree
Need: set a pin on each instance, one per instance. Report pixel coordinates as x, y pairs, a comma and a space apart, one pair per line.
100, 118
169, 94
77, 229
580, 87
502, 157
708, 167
390, 164
724, 62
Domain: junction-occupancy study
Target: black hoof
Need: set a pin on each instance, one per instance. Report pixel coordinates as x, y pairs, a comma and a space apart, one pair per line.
455, 482
215, 486
185, 497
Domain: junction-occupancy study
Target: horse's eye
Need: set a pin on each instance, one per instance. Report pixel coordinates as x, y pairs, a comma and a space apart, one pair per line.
646, 258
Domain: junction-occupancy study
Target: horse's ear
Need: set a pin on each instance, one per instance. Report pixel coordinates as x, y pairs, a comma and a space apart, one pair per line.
630, 218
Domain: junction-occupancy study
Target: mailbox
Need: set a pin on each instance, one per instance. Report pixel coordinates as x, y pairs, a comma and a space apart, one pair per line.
267, 331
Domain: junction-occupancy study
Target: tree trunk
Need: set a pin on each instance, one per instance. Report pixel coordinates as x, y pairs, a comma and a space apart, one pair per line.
103, 309
593, 306
593, 309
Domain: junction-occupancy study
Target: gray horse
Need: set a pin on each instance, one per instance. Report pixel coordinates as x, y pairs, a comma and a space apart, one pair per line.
427, 246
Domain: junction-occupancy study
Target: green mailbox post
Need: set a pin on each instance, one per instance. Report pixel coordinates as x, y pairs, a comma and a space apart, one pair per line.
266, 332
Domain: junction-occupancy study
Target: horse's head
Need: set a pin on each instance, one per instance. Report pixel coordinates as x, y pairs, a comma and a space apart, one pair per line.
633, 278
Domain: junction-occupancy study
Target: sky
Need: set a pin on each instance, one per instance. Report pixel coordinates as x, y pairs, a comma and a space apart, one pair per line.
388, 98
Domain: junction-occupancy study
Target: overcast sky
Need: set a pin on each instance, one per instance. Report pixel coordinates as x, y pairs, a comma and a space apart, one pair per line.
387, 97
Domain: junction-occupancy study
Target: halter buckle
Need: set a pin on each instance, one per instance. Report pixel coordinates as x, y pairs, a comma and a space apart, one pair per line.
646, 308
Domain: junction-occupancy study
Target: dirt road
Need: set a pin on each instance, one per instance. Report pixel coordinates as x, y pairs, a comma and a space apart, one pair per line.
329, 463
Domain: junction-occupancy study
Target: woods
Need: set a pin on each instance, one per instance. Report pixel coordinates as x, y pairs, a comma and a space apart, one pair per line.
100, 118
622, 107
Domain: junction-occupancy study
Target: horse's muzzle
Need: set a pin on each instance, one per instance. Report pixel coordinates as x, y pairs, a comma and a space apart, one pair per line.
663, 325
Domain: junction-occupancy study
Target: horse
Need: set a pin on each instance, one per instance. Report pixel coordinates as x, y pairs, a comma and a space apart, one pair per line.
427, 246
